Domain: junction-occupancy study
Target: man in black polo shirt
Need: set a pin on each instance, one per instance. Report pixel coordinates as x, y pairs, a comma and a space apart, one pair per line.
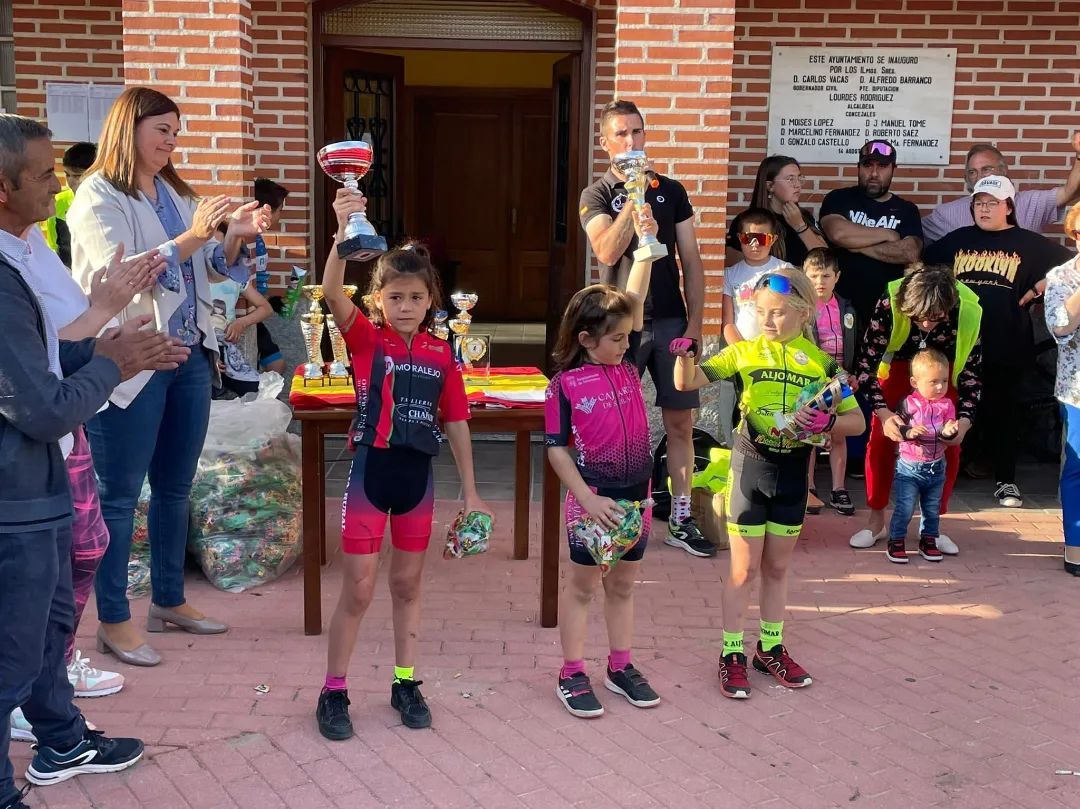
606, 216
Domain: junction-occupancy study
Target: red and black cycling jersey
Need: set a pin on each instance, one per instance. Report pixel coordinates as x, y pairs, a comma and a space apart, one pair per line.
401, 389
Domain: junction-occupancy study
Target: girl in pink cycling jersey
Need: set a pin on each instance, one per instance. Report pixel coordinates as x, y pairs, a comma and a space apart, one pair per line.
594, 402
406, 380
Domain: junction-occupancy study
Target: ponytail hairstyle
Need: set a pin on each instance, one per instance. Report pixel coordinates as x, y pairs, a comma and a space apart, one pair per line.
927, 291
410, 259
594, 310
802, 299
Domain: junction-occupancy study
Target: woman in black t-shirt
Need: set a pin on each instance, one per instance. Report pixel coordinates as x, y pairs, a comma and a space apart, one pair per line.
777, 187
1006, 266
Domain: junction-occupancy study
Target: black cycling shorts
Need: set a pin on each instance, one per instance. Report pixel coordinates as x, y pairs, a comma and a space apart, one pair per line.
766, 496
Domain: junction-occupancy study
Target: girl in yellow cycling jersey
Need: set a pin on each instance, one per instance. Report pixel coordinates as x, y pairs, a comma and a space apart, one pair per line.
767, 493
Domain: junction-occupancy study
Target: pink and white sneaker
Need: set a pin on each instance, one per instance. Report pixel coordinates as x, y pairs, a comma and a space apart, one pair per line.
91, 682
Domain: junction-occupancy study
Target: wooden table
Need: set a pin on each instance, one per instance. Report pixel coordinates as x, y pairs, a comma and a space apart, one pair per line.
317, 424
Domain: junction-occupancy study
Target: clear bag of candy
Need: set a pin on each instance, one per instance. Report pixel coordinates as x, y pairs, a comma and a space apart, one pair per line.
468, 535
607, 547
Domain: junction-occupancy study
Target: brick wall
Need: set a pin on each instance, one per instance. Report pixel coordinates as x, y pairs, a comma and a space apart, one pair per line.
64, 40
1016, 83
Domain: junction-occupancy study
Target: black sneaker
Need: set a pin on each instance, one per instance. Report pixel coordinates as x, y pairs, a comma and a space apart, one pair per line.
94, 754
1008, 495
686, 535
16, 802
406, 699
896, 552
577, 695
841, 501
332, 714
632, 684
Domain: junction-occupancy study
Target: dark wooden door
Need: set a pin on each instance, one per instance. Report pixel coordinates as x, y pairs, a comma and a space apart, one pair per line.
482, 189
570, 154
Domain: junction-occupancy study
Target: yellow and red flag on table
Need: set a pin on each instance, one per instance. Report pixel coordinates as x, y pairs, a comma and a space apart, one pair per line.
515, 387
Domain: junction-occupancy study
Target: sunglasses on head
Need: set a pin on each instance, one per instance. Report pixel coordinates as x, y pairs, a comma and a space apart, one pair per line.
748, 238
780, 284
877, 147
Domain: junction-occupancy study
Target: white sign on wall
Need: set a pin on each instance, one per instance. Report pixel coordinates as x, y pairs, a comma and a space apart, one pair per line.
76, 112
825, 103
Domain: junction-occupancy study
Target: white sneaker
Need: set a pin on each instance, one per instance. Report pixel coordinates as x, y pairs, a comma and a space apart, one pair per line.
90, 682
866, 538
947, 546
1008, 495
20, 728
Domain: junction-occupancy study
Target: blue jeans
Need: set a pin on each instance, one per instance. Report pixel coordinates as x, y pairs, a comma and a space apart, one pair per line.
37, 616
160, 436
1070, 476
920, 482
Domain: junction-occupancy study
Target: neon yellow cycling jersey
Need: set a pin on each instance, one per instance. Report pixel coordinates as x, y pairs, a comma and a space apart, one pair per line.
773, 375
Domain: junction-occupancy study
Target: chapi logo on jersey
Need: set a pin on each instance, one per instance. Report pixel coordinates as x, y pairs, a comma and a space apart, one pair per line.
1004, 265
886, 221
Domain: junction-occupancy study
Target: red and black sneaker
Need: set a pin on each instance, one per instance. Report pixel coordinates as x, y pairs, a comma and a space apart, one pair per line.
779, 664
733, 682
897, 552
929, 550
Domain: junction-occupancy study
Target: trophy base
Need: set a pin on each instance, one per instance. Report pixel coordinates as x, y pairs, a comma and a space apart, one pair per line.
362, 247
338, 370
313, 371
650, 252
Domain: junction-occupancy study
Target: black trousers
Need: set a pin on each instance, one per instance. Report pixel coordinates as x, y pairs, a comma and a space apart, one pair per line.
37, 615
997, 424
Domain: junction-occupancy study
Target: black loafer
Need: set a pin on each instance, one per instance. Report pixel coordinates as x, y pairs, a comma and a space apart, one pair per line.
1073, 568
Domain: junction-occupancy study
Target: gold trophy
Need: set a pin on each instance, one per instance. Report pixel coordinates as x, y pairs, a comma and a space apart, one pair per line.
311, 326
635, 165
469, 349
339, 367
438, 328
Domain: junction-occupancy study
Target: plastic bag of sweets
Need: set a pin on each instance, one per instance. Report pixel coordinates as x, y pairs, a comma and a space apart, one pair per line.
468, 535
608, 547
139, 558
246, 496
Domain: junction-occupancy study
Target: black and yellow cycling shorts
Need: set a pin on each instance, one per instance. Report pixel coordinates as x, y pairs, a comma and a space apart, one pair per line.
766, 496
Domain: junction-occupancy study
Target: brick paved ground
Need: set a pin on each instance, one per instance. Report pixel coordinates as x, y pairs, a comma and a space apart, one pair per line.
947, 685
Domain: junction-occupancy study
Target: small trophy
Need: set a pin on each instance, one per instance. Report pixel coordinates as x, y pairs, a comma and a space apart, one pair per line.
635, 166
438, 328
347, 162
339, 367
459, 325
311, 326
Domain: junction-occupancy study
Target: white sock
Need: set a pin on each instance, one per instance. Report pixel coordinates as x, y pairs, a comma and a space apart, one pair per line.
680, 508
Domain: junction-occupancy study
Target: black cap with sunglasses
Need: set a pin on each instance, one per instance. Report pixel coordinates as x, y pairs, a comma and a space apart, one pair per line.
880, 151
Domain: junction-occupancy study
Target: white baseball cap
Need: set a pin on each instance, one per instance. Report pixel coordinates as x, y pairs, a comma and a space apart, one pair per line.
996, 186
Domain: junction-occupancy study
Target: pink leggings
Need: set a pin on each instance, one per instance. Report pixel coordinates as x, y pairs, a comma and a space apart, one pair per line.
89, 536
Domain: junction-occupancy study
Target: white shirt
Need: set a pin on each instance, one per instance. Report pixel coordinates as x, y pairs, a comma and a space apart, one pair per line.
37, 264
739, 282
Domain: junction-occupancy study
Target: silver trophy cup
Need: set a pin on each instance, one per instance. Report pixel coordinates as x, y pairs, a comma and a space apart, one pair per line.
635, 166
347, 162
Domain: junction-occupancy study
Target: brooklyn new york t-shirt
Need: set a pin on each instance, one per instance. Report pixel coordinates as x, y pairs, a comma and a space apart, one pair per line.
1000, 266
863, 279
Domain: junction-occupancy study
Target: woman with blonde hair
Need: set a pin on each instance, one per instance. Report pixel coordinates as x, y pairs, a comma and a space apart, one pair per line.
1063, 320
134, 200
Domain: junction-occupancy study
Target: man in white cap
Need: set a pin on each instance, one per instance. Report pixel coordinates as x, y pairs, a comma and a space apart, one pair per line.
1006, 265
1034, 209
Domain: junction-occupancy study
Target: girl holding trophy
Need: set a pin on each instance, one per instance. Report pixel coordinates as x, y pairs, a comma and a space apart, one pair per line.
404, 379
768, 490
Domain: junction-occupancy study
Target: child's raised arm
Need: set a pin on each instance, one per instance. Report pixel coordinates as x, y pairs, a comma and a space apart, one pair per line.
637, 282
333, 280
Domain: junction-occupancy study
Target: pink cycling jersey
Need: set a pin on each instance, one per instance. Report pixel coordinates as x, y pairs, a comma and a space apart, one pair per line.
600, 410
916, 410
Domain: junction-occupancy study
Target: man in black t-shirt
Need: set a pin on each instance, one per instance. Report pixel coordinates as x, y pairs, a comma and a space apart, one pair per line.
606, 216
875, 232
1006, 266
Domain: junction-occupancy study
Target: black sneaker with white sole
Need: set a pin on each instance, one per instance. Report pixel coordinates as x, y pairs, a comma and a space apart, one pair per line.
632, 684
94, 754
841, 501
686, 535
405, 696
1008, 495
577, 695
332, 714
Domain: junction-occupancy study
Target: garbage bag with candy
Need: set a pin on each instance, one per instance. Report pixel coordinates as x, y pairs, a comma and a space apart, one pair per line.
468, 535
607, 547
246, 496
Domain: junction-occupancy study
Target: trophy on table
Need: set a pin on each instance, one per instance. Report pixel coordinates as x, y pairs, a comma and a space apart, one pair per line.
469, 349
635, 165
347, 162
438, 328
311, 326
339, 367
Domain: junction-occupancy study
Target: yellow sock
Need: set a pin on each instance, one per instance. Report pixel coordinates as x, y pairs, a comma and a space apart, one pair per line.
403, 673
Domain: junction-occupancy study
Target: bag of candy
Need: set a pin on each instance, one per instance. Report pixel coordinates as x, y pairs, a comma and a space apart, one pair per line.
468, 535
246, 496
608, 547
139, 559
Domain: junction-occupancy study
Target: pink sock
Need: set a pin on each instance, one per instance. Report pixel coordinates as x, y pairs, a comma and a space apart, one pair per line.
335, 683
571, 667
619, 659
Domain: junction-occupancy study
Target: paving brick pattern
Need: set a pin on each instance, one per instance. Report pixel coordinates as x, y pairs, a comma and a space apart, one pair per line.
936, 685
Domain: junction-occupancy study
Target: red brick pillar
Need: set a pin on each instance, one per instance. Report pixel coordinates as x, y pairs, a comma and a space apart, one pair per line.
674, 57
199, 52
